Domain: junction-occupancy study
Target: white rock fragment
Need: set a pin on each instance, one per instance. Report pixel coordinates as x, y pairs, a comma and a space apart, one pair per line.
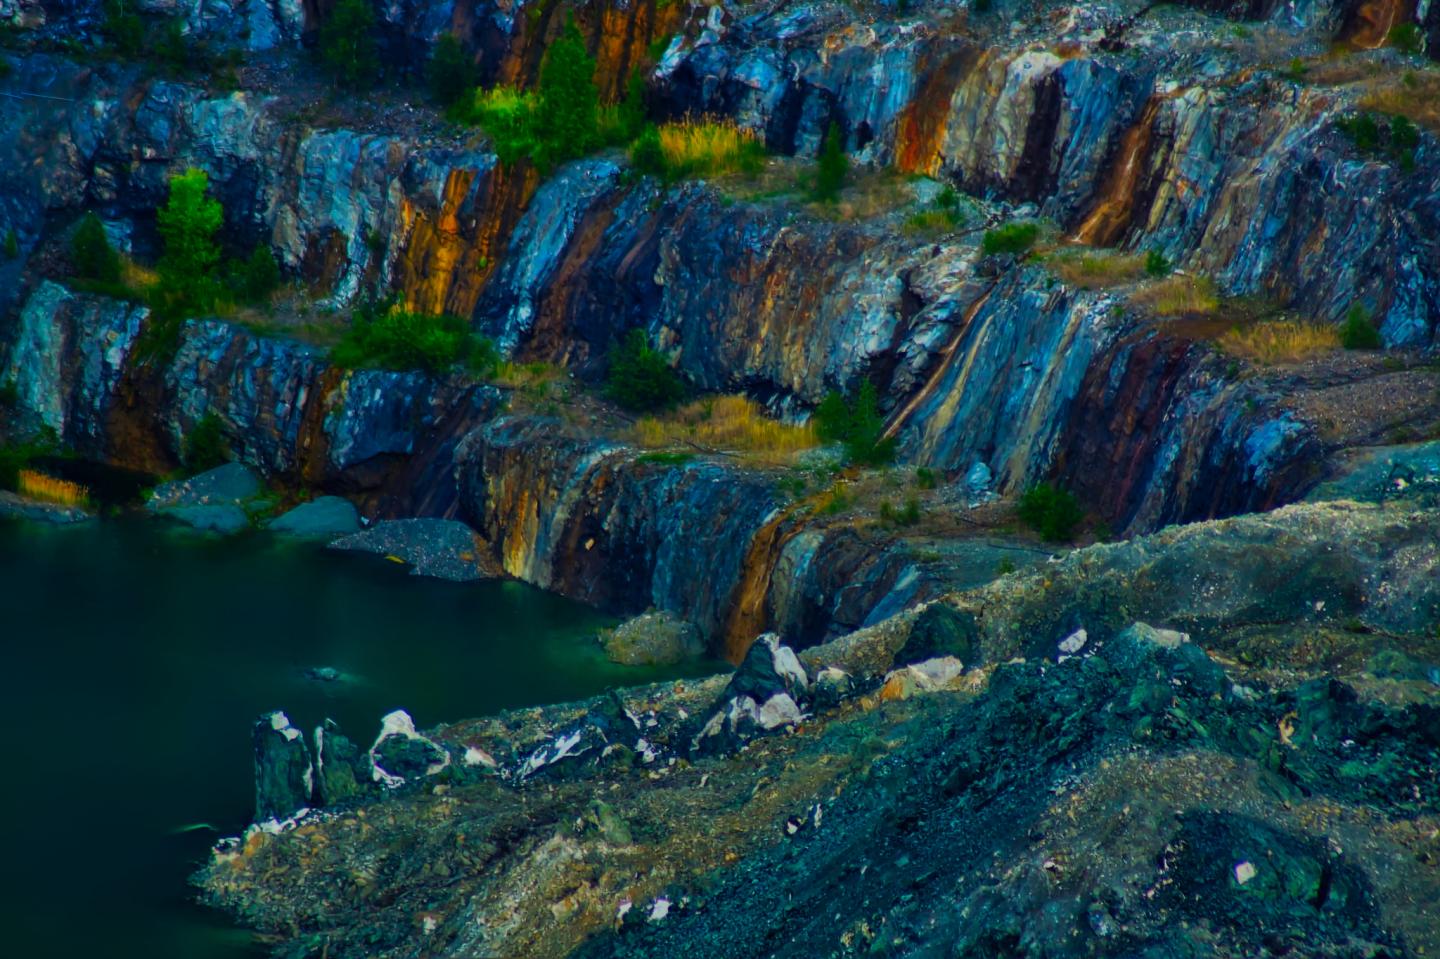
1244, 872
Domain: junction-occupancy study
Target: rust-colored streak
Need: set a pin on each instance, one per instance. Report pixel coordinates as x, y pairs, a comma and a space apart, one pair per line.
134, 431
1371, 22
1113, 211
748, 614
452, 249
552, 337
618, 38
312, 452
947, 356
920, 133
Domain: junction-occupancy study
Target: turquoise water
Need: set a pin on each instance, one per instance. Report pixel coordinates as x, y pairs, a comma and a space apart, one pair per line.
136, 658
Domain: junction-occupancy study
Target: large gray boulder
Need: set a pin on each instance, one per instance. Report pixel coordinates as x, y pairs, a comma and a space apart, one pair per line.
323, 518
284, 776
213, 501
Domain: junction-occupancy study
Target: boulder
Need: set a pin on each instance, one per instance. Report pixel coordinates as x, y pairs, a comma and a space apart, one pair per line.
284, 777
653, 639
604, 731
764, 696
344, 772
935, 675
400, 754
212, 501
324, 518
442, 548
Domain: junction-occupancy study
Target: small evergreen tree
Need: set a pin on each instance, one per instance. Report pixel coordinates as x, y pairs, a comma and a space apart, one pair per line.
123, 28
347, 43
833, 167
640, 379
450, 72
258, 275
1051, 511
857, 424
1359, 333
12, 244
91, 253
188, 223
566, 120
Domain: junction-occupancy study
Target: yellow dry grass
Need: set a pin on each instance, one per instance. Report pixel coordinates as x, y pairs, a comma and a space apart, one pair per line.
1097, 270
733, 424
1178, 295
42, 486
707, 147
1280, 341
1412, 94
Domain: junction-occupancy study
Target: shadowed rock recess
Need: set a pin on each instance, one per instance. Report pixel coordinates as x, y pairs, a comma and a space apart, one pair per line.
1176, 267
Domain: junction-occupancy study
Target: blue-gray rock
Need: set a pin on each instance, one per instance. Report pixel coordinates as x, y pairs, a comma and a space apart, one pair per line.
284, 779
18, 507
225, 519
231, 484
323, 518
441, 548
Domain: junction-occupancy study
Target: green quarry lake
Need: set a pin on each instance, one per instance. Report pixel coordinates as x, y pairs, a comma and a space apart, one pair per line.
136, 659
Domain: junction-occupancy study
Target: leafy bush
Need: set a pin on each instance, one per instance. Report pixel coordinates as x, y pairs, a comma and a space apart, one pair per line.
1408, 38
1050, 511
381, 337
1395, 136
1358, 333
857, 424
91, 254
907, 515
171, 48
9, 393
450, 72
12, 244
697, 148
1157, 264
1014, 238
204, 447
257, 277
622, 123
833, 167
506, 114
640, 379
347, 43
925, 477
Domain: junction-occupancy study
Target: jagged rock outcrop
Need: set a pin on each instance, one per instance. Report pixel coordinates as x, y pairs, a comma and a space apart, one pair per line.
1149, 790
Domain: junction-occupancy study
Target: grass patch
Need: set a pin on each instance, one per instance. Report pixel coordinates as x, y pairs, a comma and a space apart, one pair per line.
697, 148
1280, 341
734, 424
1012, 238
1097, 270
50, 489
1178, 296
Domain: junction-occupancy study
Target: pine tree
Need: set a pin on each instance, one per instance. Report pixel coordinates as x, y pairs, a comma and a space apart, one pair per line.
347, 43
833, 167
91, 253
188, 223
566, 122
451, 71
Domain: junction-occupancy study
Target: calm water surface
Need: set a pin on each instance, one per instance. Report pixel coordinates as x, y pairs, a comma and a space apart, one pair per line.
135, 658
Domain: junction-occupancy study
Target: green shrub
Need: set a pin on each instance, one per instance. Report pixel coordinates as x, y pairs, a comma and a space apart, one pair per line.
1393, 136
1157, 264
124, 29
204, 446
832, 168
625, 121
925, 477
381, 337
640, 379
1295, 70
1013, 238
9, 393
258, 276
450, 72
1358, 333
1050, 511
1361, 130
1407, 38
907, 515
857, 424
506, 115
12, 244
91, 254
347, 43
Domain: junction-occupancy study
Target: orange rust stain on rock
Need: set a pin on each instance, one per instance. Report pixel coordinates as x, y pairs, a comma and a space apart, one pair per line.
921, 131
1110, 218
452, 249
748, 615
551, 336
312, 451
1372, 21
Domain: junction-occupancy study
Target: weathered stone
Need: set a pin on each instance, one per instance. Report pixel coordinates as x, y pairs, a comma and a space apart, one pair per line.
655, 638
444, 549
324, 517
283, 773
